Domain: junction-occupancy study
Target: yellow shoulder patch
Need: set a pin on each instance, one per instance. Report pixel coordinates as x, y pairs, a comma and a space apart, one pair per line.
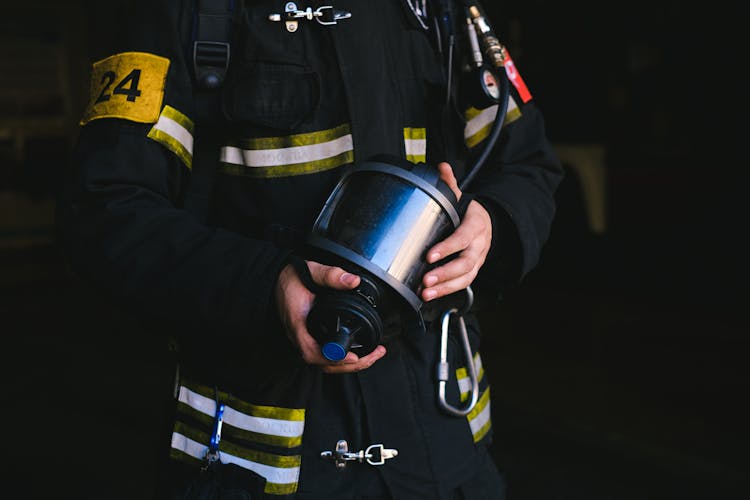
129, 85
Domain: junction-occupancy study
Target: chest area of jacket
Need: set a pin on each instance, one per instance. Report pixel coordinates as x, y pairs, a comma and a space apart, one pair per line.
370, 72
302, 104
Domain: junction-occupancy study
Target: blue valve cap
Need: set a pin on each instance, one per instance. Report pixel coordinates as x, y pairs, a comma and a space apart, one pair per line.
333, 351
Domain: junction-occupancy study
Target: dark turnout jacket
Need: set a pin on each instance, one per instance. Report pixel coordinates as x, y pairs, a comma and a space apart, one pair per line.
298, 108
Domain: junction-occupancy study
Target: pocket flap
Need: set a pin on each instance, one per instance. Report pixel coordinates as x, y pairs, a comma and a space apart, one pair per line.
274, 95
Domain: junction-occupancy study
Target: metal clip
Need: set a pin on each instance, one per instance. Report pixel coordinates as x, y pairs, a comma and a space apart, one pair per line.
443, 365
336, 15
291, 23
213, 454
375, 454
292, 15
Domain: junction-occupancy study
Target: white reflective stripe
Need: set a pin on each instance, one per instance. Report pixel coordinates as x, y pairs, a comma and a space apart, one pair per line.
176, 131
197, 401
464, 383
276, 475
262, 425
479, 421
511, 104
415, 147
287, 156
486, 117
285, 428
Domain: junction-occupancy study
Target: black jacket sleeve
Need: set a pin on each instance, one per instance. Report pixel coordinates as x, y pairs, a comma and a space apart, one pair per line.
120, 219
517, 186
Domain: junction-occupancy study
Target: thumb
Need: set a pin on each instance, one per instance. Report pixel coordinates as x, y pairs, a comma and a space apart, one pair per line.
447, 176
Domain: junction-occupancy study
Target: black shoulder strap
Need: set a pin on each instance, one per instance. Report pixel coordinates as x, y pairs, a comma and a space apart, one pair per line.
214, 20
211, 42
206, 150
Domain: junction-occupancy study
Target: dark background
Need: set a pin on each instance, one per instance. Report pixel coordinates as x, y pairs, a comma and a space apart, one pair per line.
618, 368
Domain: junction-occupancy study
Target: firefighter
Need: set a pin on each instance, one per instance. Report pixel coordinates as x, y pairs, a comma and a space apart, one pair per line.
280, 99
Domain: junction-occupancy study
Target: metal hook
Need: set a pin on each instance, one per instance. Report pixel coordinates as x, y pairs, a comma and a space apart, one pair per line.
213, 454
444, 366
292, 15
375, 454
468, 303
336, 15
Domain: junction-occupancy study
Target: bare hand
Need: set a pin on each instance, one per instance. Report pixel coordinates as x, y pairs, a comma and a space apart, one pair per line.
294, 302
471, 241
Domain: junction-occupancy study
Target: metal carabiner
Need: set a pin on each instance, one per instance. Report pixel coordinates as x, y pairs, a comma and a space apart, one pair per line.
444, 366
336, 15
213, 454
375, 454
292, 15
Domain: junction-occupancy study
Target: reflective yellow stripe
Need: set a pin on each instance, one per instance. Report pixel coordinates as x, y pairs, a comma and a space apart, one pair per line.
289, 170
415, 144
178, 117
280, 471
297, 154
479, 121
249, 408
462, 376
175, 132
235, 432
280, 489
307, 139
258, 158
479, 417
282, 427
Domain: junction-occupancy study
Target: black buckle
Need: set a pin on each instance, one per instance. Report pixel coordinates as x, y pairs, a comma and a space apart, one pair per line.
210, 63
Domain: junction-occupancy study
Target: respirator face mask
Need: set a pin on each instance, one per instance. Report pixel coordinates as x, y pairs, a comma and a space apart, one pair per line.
378, 223
386, 213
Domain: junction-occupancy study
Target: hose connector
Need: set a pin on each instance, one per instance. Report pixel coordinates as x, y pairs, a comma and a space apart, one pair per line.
493, 50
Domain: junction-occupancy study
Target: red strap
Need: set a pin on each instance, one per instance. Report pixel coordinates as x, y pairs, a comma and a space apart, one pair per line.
515, 78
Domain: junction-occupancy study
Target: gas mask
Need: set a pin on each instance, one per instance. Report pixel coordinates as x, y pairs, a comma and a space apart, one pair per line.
378, 223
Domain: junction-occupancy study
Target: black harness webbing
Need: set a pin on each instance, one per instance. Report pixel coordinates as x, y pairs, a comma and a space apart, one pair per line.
205, 158
214, 20
211, 42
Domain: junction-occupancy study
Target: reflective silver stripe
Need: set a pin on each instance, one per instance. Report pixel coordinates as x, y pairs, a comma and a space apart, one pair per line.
288, 476
479, 418
415, 147
464, 381
415, 144
175, 131
287, 156
479, 122
261, 425
484, 118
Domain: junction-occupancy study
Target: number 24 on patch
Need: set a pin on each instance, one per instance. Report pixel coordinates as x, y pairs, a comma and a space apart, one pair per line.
128, 86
